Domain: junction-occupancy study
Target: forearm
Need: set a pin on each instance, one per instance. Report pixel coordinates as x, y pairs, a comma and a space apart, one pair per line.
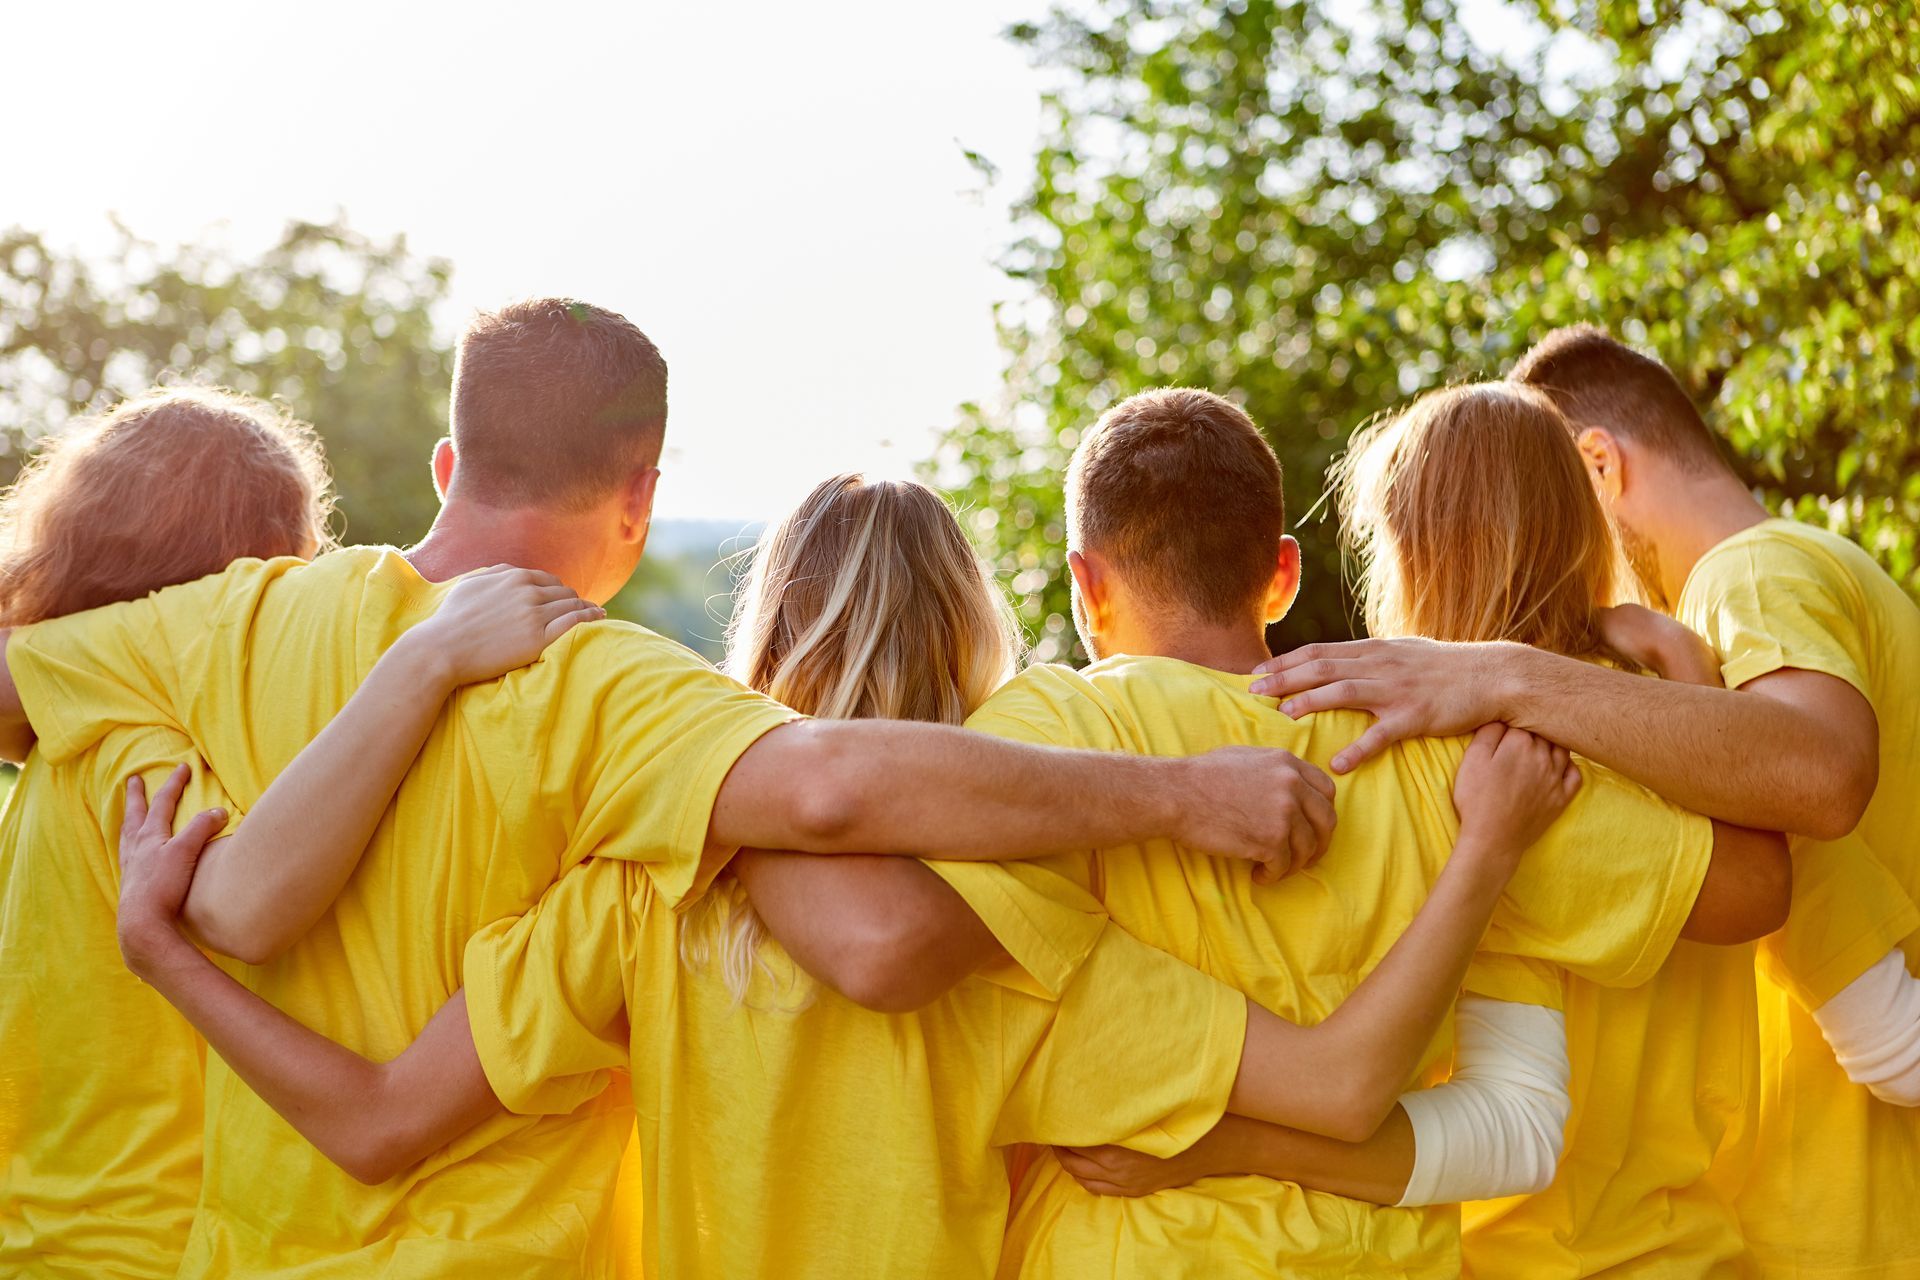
885, 932
371, 1119
1745, 759
1376, 1170
259, 890
1342, 1077
874, 786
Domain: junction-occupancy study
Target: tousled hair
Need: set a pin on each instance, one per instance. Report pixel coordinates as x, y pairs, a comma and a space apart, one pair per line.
1181, 491
866, 602
169, 486
1598, 381
1469, 516
555, 404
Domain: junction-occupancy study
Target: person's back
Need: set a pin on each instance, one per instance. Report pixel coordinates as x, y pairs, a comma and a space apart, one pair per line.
519, 780
1301, 946
1179, 558
100, 1081
1782, 593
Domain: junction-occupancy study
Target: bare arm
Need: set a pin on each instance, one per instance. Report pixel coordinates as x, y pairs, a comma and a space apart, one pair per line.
1797, 751
259, 890
1342, 1077
885, 932
16, 735
1376, 1170
372, 1119
1747, 891
876, 786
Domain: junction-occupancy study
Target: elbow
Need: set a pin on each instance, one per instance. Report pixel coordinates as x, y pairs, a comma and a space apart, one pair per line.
886, 971
1772, 892
1898, 1093
1357, 1113
232, 934
827, 803
379, 1158
1836, 810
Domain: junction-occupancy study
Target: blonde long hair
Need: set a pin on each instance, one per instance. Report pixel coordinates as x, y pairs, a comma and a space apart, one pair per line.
1469, 516
866, 602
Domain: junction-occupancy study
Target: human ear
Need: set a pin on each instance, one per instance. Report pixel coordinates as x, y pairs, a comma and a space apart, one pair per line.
443, 466
636, 503
1284, 589
1092, 588
1605, 464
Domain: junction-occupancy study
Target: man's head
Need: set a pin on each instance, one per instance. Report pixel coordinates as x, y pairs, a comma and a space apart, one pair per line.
1175, 520
1644, 444
559, 410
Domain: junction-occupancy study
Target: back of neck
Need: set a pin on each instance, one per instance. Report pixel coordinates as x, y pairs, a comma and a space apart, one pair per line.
465, 537
1218, 647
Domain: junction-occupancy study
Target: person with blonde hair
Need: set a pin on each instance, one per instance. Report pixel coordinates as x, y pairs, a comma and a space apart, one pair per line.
100, 1081
785, 1130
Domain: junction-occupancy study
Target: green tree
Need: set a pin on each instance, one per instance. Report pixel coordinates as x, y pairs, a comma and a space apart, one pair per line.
1322, 207
337, 326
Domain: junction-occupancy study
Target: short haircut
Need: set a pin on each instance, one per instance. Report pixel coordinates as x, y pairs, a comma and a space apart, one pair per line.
1181, 491
555, 403
1597, 381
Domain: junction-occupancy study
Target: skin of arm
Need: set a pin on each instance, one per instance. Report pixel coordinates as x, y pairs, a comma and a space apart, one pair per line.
259, 890
1799, 753
877, 786
886, 933
1376, 1170
372, 1119
1342, 1078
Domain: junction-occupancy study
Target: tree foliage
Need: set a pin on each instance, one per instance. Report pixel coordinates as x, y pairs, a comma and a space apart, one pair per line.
337, 326
1322, 207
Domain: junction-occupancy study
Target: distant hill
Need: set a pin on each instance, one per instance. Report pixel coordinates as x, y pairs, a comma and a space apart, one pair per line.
682, 588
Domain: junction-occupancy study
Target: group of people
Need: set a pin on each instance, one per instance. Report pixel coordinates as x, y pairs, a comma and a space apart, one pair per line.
1564, 927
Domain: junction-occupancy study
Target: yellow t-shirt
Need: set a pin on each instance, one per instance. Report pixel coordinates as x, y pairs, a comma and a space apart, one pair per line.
1300, 947
613, 744
99, 1077
1831, 1191
799, 1135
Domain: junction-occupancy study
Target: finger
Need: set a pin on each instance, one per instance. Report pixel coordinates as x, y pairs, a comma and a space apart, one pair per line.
1364, 748
1324, 818
167, 798
1571, 781
1315, 777
136, 807
1308, 654
199, 829
1313, 678
567, 622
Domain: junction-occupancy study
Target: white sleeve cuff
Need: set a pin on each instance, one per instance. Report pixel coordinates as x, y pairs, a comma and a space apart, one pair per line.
1497, 1127
1873, 1026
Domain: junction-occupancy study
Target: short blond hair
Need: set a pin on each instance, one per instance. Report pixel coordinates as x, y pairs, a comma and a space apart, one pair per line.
1469, 516
866, 602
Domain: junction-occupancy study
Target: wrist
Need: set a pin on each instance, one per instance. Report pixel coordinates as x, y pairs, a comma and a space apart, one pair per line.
1504, 678
149, 946
420, 661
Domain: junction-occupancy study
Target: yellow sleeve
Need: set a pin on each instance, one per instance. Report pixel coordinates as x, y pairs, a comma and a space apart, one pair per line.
1517, 980
1771, 602
81, 675
648, 731
1044, 913
546, 992
1143, 1051
1848, 911
152, 752
1605, 893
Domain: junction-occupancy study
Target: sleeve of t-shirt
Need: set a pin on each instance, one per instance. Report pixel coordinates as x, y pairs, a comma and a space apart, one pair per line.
546, 992
1769, 603
1043, 912
641, 735
1605, 892
1516, 980
1142, 1051
1848, 911
81, 675
152, 752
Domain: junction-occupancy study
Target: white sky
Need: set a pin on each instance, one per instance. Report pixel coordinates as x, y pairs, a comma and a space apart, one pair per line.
773, 191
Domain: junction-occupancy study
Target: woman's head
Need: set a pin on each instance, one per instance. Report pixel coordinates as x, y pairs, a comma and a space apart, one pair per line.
867, 602
1471, 518
170, 486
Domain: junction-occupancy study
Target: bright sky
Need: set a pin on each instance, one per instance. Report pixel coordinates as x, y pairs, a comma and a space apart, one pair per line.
773, 191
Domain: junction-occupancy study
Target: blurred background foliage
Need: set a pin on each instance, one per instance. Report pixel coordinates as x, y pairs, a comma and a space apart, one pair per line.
1323, 207
1320, 207
343, 329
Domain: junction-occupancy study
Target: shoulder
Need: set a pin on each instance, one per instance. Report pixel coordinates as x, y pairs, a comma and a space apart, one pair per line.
1045, 703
